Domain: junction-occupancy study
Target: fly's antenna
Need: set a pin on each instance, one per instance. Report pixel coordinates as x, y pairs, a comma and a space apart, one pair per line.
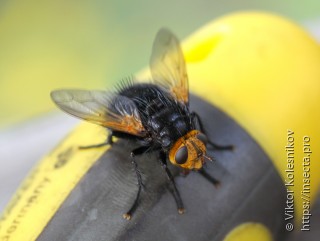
209, 158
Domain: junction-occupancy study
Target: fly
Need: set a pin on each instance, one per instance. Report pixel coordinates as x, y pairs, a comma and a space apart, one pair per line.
156, 115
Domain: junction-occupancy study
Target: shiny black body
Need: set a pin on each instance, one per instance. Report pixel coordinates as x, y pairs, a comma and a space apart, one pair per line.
164, 118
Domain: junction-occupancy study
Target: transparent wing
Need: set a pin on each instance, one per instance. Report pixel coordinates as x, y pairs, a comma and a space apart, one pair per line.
100, 107
168, 66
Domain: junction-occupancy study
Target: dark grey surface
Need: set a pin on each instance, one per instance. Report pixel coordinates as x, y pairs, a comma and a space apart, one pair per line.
250, 191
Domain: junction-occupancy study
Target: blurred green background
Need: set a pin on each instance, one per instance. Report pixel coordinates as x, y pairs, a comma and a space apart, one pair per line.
45, 45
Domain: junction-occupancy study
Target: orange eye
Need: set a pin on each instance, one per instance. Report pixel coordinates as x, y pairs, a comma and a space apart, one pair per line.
181, 155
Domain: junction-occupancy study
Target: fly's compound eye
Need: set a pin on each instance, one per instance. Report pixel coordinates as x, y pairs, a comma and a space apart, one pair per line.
202, 137
181, 155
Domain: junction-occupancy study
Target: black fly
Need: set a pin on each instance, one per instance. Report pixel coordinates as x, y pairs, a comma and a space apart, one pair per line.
156, 115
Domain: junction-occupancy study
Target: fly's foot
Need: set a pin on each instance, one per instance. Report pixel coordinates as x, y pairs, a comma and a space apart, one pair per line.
217, 184
181, 210
126, 216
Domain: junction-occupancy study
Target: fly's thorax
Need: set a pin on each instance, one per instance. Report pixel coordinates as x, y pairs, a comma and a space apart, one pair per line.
189, 151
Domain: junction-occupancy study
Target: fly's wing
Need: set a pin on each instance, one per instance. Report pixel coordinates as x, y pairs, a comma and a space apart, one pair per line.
110, 110
168, 66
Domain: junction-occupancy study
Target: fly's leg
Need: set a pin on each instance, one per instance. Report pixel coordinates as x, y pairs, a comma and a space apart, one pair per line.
210, 178
220, 147
109, 141
196, 117
135, 152
176, 193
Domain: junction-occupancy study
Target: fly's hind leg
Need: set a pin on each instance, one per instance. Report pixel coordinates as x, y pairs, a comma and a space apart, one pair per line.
196, 117
176, 193
135, 152
109, 141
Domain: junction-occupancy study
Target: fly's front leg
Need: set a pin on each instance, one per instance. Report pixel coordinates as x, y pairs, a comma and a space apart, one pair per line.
176, 194
210, 178
109, 141
135, 152
196, 117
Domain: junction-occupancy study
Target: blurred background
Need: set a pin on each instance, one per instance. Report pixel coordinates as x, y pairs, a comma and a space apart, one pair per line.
45, 45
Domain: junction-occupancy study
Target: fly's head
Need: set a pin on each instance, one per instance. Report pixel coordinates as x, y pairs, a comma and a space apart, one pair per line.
189, 151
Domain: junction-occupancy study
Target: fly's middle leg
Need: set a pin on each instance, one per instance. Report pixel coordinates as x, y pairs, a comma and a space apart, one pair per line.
133, 154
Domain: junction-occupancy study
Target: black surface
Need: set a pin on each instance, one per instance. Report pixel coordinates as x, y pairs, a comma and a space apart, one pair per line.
250, 191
